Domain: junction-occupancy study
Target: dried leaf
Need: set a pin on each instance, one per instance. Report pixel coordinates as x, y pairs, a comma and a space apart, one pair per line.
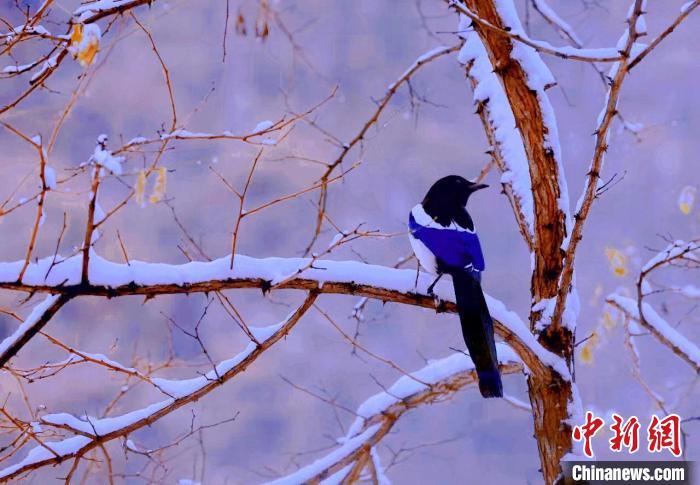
159, 187
140, 188
85, 43
617, 260
686, 199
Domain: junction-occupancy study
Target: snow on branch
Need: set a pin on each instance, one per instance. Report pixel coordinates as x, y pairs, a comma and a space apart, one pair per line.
87, 14
40, 316
111, 279
92, 12
553, 18
524, 79
627, 44
501, 131
517, 33
359, 138
378, 414
90, 432
658, 327
686, 10
678, 254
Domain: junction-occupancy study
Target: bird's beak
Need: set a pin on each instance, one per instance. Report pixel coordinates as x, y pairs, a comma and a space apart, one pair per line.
478, 187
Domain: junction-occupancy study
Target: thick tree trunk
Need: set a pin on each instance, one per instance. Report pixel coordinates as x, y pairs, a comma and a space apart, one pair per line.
550, 394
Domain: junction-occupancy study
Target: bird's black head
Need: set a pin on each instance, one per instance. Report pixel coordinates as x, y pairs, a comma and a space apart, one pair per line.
446, 200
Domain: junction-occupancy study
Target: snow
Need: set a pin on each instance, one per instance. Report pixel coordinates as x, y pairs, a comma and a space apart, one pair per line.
38, 454
422, 58
337, 477
91, 425
263, 126
36, 314
106, 360
84, 12
406, 386
179, 388
381, 476
669, 333
50, 177
105, 159
50, 63
99, 213
304, 474
185, 134
13, 68
263, 333
107, 274
546, 10
686, 6
184, 387
176, 389
502, 119
539, 78
689, 291
137, 140
672, 251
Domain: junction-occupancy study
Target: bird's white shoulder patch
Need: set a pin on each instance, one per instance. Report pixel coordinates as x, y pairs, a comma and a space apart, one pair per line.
425, 256
425, 220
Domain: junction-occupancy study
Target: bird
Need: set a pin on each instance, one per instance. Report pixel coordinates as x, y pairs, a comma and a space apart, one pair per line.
444, 240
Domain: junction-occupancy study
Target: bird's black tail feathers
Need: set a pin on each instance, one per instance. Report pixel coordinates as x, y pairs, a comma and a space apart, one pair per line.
477, 328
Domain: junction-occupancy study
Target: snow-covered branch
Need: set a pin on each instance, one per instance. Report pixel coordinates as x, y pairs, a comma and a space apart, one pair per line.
524, 79
628, 46
517, 33
359, 138
503, 136
678, 253
90, 432
37, 319
376, 417
342, 277
659, 328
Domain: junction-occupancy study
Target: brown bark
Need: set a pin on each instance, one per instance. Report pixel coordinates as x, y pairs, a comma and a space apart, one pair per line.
525, 353
549, 393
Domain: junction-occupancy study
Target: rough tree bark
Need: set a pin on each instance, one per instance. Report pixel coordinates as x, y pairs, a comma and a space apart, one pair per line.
550, 395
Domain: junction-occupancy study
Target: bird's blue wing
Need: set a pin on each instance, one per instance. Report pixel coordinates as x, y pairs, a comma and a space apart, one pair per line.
453, 249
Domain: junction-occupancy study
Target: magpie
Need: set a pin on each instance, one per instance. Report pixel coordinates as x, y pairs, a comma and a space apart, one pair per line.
443, 239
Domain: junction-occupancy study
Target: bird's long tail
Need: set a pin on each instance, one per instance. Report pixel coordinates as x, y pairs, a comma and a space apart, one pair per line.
477, 328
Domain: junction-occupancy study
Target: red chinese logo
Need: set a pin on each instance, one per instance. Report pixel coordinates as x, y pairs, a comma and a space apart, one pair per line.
662, 434
587, 431
626, 433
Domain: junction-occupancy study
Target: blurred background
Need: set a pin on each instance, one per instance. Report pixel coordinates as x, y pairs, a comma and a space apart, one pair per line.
362, 47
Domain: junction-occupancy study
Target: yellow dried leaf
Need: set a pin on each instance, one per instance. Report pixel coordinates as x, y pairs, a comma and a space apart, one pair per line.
159, 187
140, 188
608, 321
586, 354
87, 55
593, 340
85, 43
686, 199
76, 35
617, 260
